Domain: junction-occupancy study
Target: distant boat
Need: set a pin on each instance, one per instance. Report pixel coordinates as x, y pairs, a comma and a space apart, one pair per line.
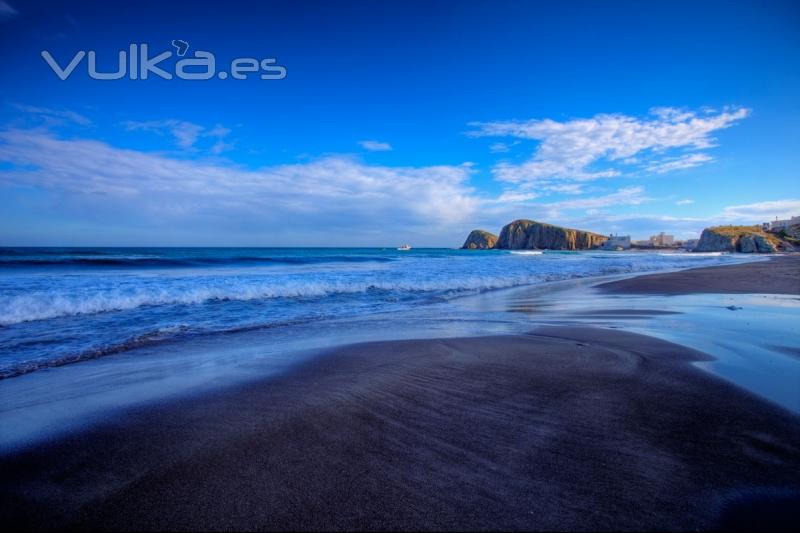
404, 247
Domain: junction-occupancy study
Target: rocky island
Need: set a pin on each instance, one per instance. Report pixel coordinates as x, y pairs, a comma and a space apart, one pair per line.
742, 239
531, 235
525, 234
480, 240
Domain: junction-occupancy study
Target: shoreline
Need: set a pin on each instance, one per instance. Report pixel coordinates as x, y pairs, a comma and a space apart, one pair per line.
562, 428
153, 339
44, 404
783, 273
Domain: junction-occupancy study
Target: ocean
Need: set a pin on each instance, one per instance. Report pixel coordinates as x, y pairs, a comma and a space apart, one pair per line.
66, 305
86, 331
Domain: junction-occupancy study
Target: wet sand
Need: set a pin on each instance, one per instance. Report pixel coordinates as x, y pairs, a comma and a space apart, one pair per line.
564, 428
778, 275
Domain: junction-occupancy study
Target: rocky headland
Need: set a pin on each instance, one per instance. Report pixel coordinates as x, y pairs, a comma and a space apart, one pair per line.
532, 235
742, 239
480, 240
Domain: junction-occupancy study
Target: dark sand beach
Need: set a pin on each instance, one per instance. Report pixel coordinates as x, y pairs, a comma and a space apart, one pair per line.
778, 275
563, 428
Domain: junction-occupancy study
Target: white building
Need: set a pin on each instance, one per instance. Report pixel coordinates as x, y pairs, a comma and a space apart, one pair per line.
777, 225
662, 239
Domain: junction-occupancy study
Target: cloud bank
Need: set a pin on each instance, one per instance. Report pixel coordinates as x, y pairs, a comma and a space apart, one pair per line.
357, 202
329, 192
608, 145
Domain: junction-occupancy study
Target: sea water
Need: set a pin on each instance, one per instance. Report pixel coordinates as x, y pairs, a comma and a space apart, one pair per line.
85, 330
66, 305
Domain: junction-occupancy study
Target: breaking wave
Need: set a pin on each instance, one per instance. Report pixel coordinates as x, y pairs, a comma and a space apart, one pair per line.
54, 311
58, 303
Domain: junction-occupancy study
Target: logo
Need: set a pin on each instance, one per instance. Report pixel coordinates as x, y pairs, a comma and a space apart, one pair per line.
135, 63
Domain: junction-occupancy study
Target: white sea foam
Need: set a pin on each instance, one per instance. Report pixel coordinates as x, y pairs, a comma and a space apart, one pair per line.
44, 305
693, 254
36, 298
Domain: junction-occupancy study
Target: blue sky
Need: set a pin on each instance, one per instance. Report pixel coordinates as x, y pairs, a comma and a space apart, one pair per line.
397, 122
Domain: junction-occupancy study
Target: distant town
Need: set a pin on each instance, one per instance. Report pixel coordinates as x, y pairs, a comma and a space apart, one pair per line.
778, 225
664, 240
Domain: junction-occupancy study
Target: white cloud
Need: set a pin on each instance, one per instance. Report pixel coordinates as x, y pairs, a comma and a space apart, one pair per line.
6, 11
343, 193
515, 197
325, 193
497, 148
51, 116
643, 224
763, 211
678, 163
375, 146
673, 114
567, 188
219, 131
626, 196
502, 147
593, 148
186, 133
221, 146
685, 201
570, 212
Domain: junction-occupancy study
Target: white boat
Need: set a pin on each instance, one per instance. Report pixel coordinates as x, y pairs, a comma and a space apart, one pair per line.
527, 252
404, 247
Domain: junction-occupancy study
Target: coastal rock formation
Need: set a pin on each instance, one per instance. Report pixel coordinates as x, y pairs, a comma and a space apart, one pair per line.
529, 234
479, 240
790, 237
743, 239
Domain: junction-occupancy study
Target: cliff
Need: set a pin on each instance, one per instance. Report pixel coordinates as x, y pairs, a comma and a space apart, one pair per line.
743, 239
791, 235
528, 234
480, 240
